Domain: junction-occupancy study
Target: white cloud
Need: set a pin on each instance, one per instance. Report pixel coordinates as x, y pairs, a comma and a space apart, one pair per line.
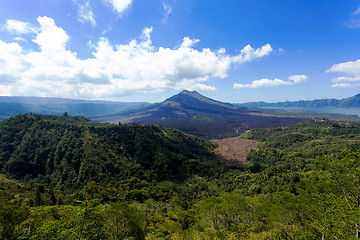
344, 85
351, 72
248, 53
20, 39
84, 12
298, 78
263, 83
119, 5
356, 12
18, 27
346, 79
11, 62
51, 38
354, 20
350, 68
146, 34
203, 87
187, 42
167, 11
114, 70
272, 83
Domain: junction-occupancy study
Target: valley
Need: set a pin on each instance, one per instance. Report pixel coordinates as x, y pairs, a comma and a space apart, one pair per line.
233, 149
67, 177
187, 168
179, 120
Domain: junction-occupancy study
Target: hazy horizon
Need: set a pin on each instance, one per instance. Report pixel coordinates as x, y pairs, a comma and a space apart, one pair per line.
100, 100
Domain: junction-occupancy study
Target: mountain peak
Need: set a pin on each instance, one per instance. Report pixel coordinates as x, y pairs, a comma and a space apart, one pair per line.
189, 92
193, 113
193, 99
194, 94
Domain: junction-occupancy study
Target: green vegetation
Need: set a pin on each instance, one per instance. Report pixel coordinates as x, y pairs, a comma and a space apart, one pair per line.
70, 151
202, 118
68, 178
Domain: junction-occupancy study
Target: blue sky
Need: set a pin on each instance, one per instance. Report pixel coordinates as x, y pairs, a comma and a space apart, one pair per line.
137, 50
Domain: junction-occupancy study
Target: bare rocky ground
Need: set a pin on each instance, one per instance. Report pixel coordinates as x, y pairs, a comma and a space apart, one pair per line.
233, 149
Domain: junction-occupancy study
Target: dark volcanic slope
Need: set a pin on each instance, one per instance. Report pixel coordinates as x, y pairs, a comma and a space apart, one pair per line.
193, 113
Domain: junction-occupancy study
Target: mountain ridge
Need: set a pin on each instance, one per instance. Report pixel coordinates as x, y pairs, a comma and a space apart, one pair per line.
353, 101
12, 106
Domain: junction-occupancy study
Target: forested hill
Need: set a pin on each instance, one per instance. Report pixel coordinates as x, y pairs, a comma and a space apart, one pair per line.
66, 151
301, 182
353, 101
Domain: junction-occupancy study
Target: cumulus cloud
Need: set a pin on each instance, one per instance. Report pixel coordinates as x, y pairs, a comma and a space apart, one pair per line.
298, 78
203, 87
18, 27
349, 70
84, 12
11, 61
187, 42
51, 38
119, 5
113, 70
248, 53
263, 83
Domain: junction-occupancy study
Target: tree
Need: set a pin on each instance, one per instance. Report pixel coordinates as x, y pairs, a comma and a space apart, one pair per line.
345, 171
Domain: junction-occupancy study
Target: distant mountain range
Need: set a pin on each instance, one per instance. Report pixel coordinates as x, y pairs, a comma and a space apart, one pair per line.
187, 111
196, 114
12, 106
353, 101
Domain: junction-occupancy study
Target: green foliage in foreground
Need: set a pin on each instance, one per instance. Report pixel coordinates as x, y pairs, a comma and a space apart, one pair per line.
301, 183
71, 151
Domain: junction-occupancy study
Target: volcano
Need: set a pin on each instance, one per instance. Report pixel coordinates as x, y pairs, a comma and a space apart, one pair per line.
193, 113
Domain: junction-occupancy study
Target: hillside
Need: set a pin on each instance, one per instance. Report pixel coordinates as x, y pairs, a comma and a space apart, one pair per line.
297, 183
353, 101
196, 114
71, 151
